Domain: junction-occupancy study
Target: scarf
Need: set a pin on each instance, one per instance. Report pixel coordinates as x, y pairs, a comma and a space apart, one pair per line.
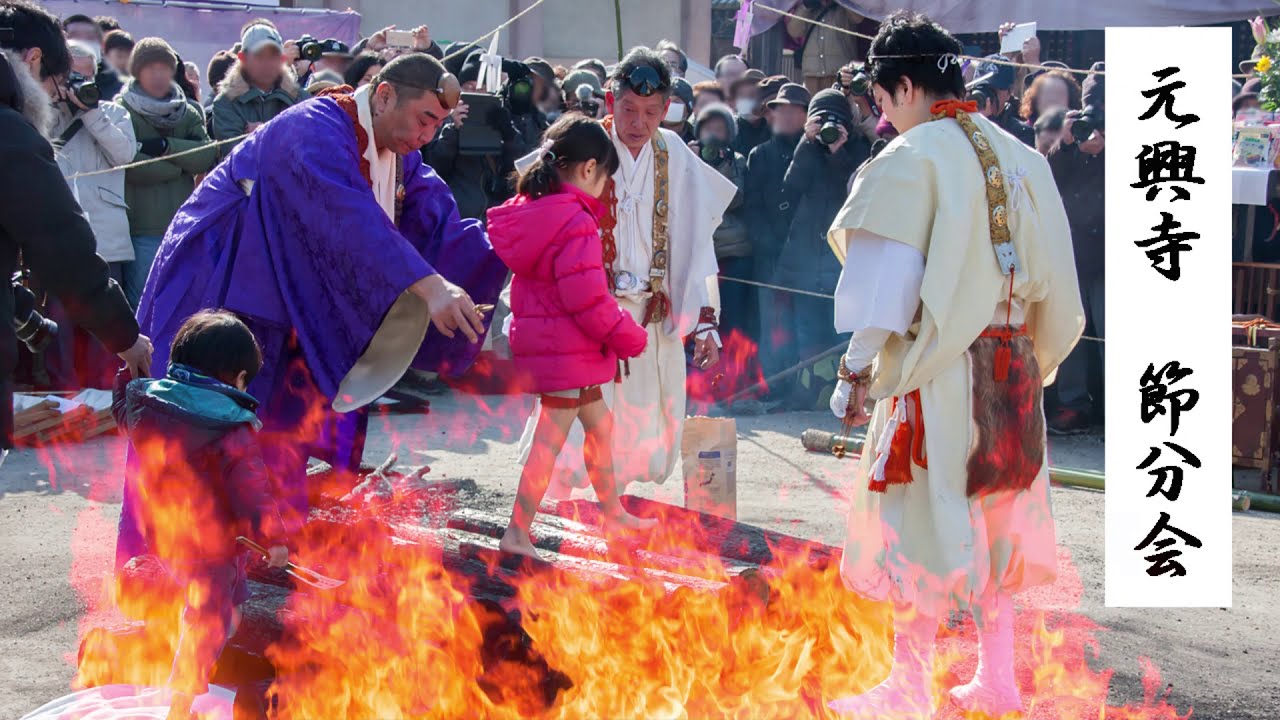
162, 114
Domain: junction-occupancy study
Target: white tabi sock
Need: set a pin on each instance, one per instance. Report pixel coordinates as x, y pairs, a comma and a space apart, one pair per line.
907, 694
994, 689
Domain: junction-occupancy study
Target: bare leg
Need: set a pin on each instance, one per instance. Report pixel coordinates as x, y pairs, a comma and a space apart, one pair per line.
548, 438
907, 694
597, 420
994, 689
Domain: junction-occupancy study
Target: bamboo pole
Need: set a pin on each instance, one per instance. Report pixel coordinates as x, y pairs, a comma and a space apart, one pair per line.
816, 440
617, 16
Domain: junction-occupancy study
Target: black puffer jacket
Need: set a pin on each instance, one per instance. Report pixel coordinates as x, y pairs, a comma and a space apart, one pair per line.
41, 221
816, 185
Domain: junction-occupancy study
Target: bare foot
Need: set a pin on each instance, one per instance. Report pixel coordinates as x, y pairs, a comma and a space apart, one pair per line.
626, 521
517, 542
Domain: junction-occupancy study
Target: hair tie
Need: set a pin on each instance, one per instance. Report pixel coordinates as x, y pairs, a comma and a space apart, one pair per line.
543, 152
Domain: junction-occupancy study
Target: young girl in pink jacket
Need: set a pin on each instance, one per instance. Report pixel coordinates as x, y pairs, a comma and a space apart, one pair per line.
567, 330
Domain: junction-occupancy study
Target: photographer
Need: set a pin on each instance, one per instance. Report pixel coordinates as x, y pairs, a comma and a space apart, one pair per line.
588, 101
482, 181
258, 87
83, 27
39, 218
998, 80
1079, 167
716, 130
816, 186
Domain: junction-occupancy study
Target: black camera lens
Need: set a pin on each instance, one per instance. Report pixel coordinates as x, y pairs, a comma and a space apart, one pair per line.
84, 89
829, 133
861, 84
1089, 120
311, 52
34, 330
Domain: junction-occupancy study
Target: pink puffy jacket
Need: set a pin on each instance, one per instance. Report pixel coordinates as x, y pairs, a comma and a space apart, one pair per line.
567, 330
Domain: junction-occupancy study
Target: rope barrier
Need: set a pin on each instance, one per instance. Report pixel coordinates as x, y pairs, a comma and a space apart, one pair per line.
219, 143
864, 36
825, 296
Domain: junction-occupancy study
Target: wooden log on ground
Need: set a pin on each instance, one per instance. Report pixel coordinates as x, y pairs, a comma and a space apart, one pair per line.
708, 533
567, 537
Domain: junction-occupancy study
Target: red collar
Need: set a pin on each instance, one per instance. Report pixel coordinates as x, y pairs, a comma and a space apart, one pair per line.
344, 95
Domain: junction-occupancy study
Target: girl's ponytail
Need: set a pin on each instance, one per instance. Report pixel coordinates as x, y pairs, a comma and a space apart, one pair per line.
573, 139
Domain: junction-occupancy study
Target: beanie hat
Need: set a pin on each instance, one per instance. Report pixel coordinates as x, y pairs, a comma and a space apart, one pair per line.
151, 50
681, 89
456, 54
470, 70
581, 77
717, 110
831, 101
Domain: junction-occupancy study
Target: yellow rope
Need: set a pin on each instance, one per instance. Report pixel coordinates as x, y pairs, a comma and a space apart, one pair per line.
846, 31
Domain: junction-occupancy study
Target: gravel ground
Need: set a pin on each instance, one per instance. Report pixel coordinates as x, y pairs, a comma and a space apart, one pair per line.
58, 511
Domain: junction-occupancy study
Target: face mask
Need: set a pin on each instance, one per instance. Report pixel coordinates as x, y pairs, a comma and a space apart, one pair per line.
745, 106
675, 113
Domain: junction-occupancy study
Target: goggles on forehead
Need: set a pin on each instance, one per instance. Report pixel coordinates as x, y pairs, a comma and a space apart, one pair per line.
644, 81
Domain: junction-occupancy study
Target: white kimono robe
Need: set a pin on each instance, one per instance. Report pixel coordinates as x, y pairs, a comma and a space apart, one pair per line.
649, 404
921, 266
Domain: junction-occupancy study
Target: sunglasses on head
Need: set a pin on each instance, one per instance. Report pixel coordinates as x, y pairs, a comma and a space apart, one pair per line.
644, 81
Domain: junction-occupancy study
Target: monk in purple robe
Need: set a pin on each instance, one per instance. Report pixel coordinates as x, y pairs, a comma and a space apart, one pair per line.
344, 253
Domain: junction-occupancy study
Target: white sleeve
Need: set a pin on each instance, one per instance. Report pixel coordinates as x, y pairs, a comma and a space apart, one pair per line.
879, 286
863, 348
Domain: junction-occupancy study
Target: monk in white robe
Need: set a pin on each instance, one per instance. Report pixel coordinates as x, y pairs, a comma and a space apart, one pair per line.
960, 288
666, 204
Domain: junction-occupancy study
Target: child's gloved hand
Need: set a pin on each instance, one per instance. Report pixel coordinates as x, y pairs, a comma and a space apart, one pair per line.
277, 556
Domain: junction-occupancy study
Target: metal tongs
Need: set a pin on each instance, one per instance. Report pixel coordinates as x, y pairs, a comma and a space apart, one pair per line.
303, 575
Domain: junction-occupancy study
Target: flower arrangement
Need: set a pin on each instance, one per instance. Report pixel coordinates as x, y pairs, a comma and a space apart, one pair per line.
1267, 50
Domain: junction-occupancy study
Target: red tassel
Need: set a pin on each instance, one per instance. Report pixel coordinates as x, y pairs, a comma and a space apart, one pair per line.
1004, 356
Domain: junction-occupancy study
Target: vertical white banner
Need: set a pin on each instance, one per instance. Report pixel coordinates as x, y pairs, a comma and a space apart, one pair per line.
1168, 306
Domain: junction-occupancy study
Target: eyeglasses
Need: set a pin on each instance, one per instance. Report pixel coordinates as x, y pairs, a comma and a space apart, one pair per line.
644, 81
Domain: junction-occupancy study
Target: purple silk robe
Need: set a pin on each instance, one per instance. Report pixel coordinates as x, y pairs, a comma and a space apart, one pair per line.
287, 234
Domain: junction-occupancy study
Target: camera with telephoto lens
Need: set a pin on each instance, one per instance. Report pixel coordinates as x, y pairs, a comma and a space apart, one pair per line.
829, 130
33, 329
309, 48
84, 89
517, 94
713, 150
1086, 121
859, 85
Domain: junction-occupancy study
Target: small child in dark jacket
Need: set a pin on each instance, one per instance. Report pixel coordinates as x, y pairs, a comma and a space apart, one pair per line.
202, 483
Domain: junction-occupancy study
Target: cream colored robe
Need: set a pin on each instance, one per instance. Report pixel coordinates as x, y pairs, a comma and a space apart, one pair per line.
926, 543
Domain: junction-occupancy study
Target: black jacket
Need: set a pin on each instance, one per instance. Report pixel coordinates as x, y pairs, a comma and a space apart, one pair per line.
40, 219
750, 135
108, 81
478, 182
1014, 125
817, 183
1080, 179
768, 212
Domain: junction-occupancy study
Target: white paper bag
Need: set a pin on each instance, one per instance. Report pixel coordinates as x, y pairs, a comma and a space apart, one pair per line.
709, 453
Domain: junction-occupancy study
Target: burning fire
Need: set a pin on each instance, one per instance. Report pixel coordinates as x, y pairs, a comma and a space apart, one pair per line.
432, 624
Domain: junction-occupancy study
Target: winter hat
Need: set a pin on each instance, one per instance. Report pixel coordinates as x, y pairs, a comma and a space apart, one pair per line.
470, 70
996, 74
831, 101
578, 78
542, 69
456, 54
750, 77
770, 86
791, 94
682, 90
717, 110
152, 50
